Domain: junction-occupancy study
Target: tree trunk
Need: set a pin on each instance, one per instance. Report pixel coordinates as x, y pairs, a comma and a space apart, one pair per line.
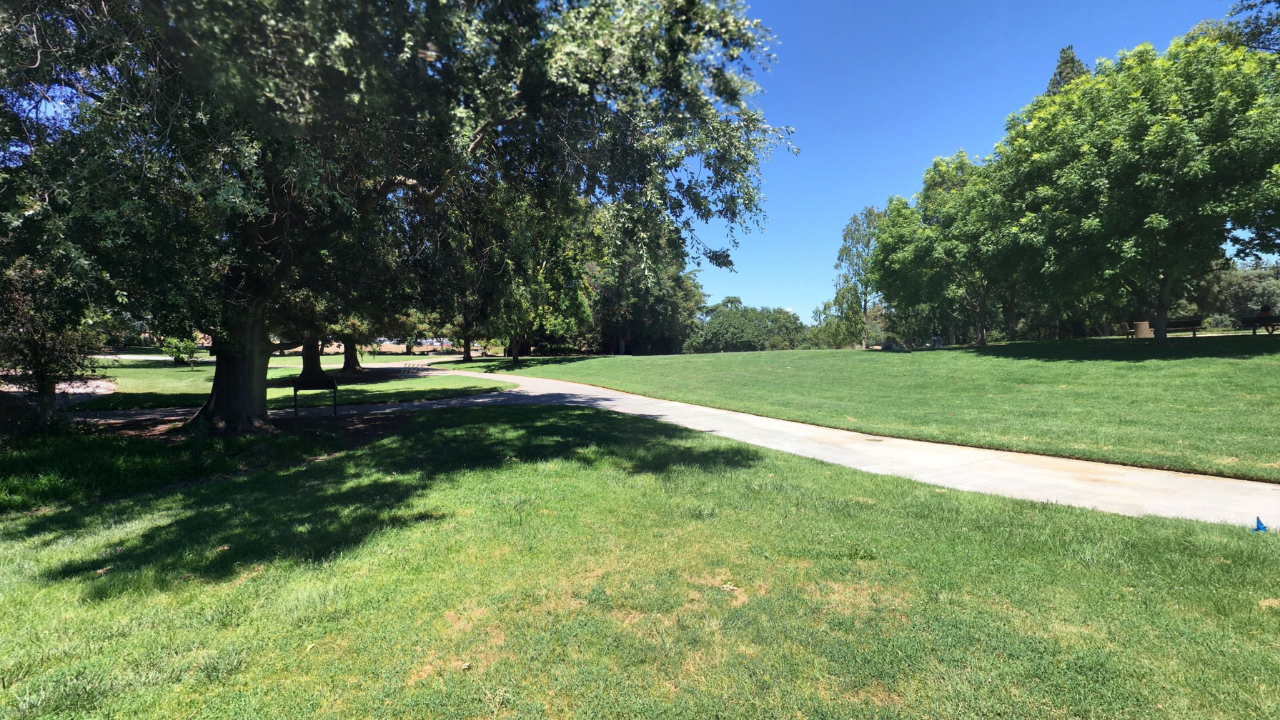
238, 400
515, 350
1163, 303
466, 347
46, 403
311, 358
981, 318
865, 312
1011, 313
350, 356
622, 346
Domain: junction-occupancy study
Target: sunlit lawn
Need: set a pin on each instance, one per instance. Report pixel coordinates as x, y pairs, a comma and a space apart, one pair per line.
143, 384
541, 562
1205, 405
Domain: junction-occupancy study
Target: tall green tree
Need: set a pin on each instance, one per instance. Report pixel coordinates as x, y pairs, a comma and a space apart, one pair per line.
1069, 68
855, 294
953, 248
1143, 173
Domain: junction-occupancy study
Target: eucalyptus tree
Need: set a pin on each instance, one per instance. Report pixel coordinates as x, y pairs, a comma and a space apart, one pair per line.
1143, 173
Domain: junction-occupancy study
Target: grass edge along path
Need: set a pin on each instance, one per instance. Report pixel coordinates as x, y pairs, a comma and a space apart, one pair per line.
555, 562
1207, 408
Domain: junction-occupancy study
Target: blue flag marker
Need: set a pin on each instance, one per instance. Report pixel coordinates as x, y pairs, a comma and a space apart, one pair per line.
1259, 527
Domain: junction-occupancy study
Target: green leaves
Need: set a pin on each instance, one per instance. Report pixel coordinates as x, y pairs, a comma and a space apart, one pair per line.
1144, 171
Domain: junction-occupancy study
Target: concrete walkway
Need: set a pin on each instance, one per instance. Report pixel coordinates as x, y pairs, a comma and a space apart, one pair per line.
1099, 486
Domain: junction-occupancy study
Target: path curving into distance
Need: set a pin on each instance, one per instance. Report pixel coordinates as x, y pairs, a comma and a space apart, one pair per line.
1081, 483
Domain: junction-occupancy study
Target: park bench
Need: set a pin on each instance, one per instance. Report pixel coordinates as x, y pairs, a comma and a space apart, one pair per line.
1270, 324
1127, 330
1193, 326
326, 383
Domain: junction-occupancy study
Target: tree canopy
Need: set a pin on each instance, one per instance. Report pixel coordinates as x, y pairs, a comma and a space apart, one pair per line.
1109, 199
254, 170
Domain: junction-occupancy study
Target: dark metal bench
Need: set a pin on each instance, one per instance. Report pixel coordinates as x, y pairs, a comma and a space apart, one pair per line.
327, 383
1270, 324
1192, 326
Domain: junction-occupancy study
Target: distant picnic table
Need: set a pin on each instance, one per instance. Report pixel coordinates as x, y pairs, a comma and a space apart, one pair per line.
1191, 325
1270, 323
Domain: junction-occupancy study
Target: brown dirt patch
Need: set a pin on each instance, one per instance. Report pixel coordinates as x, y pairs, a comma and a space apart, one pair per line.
463, 620
850, 598
475, 659
875, 694
1269, 604
721, 581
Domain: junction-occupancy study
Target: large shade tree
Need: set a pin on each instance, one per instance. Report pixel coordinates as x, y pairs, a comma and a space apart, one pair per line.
1141, 175
953, 247
272, 130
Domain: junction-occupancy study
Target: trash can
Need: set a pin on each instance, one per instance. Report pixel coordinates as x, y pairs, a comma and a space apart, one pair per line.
1143, 330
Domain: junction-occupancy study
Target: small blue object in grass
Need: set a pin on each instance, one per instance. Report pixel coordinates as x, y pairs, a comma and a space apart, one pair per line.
1259, 527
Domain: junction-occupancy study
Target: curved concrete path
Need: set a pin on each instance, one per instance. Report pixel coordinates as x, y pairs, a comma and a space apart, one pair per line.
1099, 486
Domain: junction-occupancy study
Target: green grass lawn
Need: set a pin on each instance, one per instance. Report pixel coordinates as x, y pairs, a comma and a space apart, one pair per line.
540, 562
1205, 405
144, 385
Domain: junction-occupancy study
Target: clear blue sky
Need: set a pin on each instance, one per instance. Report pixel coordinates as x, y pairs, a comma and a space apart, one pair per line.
877, 90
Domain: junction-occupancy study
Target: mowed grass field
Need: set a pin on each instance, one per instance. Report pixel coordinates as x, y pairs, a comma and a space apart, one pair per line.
542, 562
1206, 405
142, 384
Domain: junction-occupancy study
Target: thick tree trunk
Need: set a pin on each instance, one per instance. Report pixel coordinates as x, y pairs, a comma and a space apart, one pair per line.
311, 355
1163, 303
515, 350
238, 400
46, 403
466, 348
350, 356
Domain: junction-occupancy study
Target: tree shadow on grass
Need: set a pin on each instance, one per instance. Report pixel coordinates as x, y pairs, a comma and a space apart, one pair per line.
495, 365
321, 508
1131, 350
